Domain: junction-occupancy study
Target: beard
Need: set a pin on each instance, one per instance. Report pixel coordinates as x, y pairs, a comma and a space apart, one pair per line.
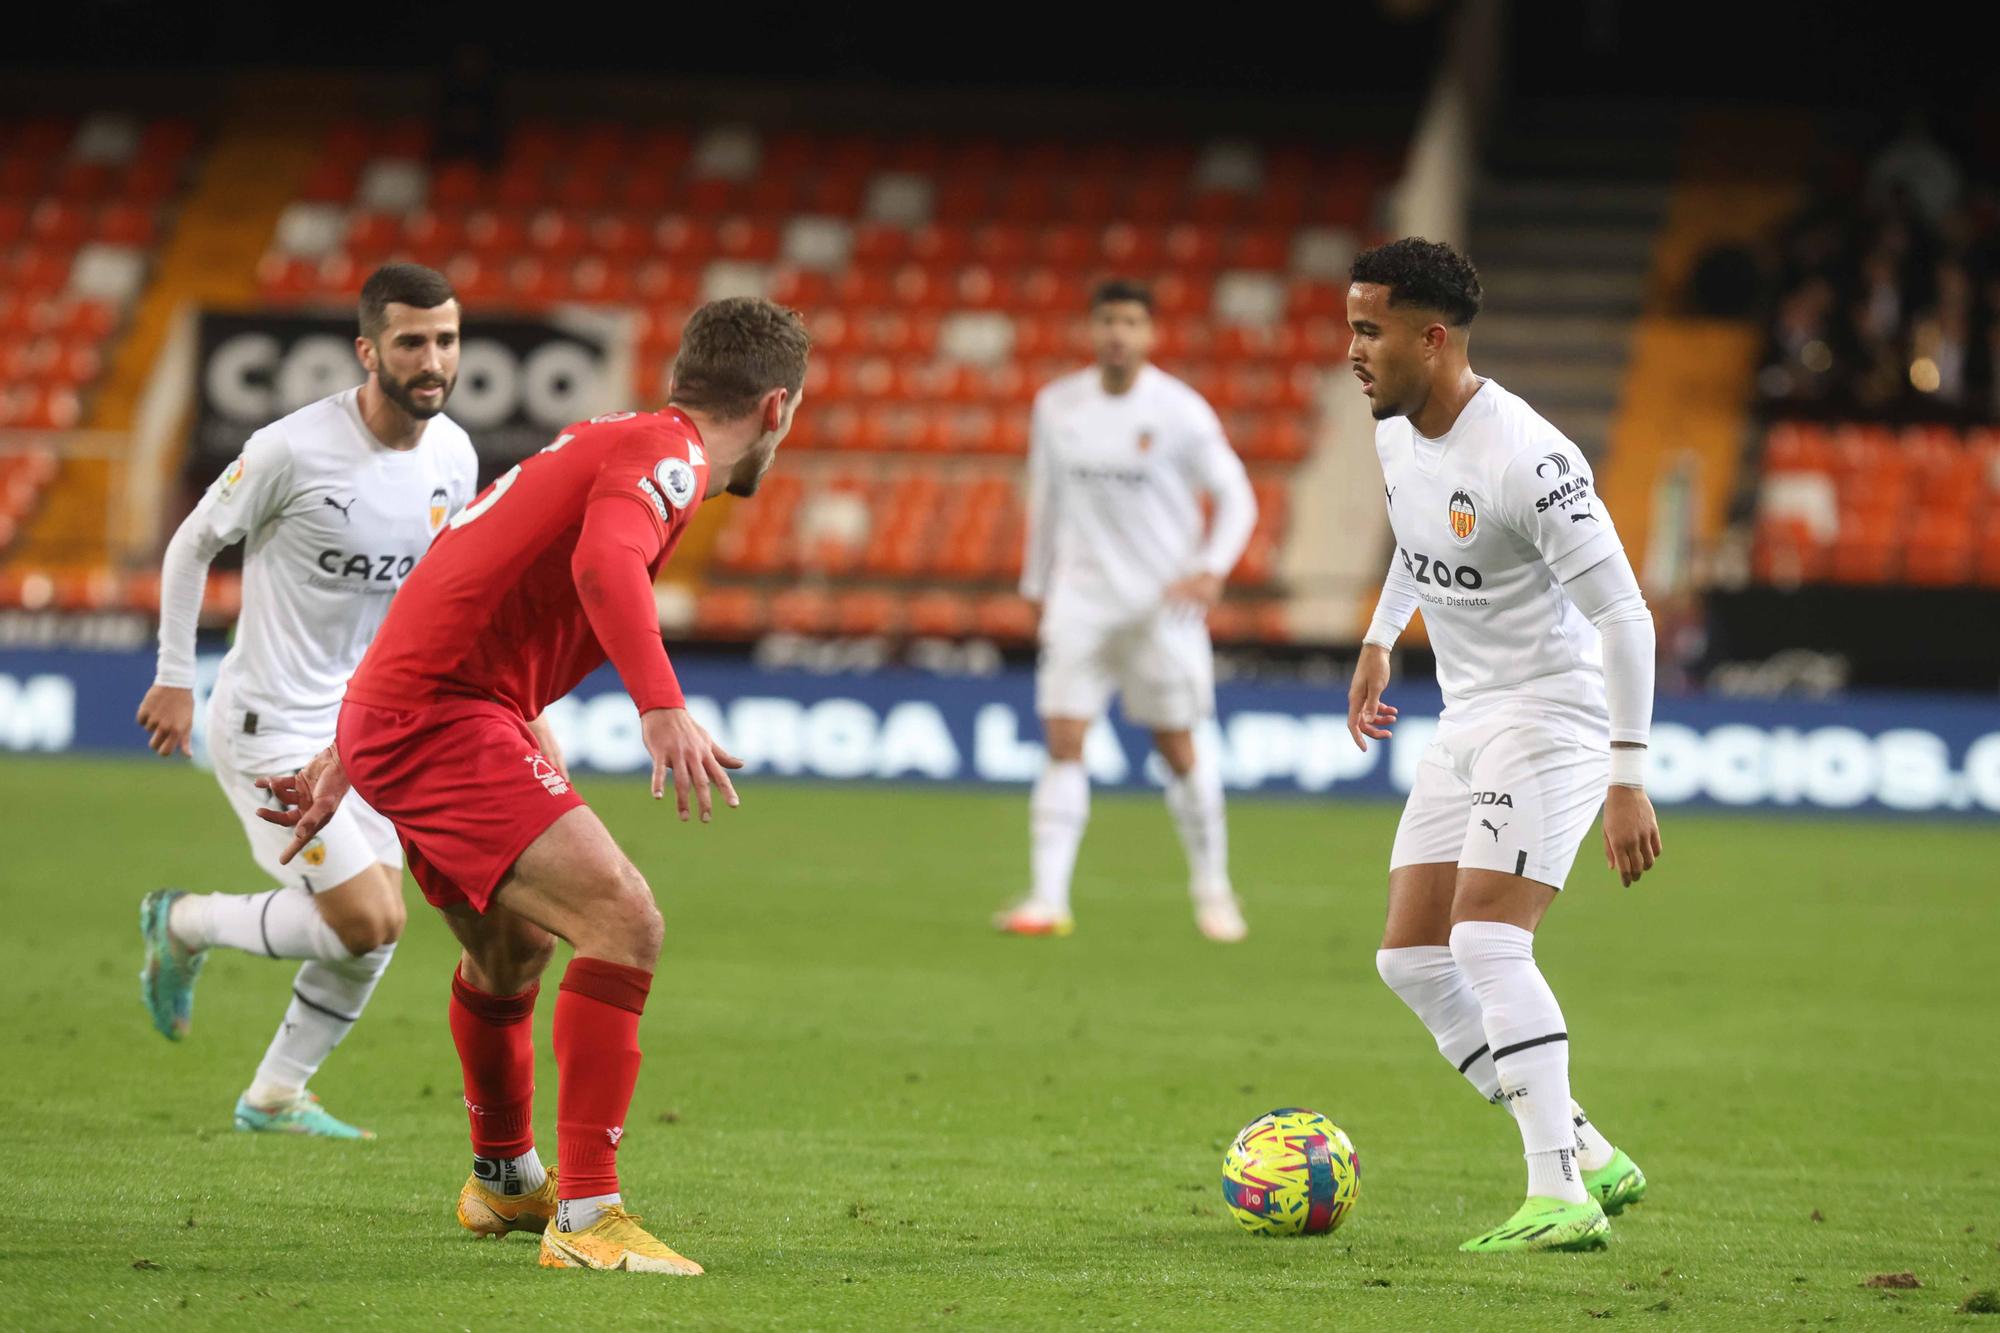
748, 474
403, 394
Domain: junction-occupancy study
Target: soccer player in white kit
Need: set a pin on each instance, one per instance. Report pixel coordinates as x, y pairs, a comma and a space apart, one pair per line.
1544, 653
1120, 455
337, 502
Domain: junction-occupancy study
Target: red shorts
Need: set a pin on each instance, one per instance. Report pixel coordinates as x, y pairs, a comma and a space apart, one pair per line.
465, 784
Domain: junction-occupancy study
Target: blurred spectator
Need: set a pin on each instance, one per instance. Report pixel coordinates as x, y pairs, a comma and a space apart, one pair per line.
1916, 165
1886, 301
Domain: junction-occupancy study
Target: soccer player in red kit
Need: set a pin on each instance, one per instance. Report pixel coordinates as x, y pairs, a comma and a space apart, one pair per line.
536, 583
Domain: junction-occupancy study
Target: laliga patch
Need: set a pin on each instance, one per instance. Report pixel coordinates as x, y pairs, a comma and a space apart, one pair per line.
1464, 517
676, 480
230, 479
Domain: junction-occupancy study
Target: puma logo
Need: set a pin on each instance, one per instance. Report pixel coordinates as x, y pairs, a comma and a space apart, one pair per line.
1487, 824
343, 508
1578, 518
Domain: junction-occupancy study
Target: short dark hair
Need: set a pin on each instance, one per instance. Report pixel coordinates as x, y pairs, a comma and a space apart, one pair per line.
1113, 290
1429, 274
736, 350
405, 284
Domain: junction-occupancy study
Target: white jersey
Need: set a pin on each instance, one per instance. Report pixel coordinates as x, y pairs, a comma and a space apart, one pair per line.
1490, 521
1114, 495
334, 521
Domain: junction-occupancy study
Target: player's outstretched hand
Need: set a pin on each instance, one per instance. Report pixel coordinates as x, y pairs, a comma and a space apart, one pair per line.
167, 714
308, 797
679, 746
1631, 833
1367, 715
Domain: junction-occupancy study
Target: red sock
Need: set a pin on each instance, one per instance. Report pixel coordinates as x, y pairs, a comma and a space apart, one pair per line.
597, 1065
495, 1036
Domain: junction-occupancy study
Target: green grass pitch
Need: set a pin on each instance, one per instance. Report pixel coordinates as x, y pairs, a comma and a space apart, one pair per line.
860, 1109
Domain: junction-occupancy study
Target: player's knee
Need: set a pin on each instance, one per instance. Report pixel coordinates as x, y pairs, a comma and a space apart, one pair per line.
646, 928
365, 932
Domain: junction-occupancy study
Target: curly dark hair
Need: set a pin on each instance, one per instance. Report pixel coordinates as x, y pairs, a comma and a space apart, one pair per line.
1429, 274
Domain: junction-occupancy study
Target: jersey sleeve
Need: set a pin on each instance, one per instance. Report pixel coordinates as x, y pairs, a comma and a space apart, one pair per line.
655, 470
251, 491
1548, 496
645, 487
1038, 554
465, 476
1213, 466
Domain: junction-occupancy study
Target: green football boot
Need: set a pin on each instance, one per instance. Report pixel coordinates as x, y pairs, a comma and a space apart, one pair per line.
1545, 1224
302, 1115
1616, 1183
166, 982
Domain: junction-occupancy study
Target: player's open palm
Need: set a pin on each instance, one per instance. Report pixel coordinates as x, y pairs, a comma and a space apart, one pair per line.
679, 746
167, 714
1631, 833
1367, 716
308, 799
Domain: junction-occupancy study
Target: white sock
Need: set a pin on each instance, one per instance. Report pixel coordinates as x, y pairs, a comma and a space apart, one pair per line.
279, 923
326, 999
1524, 1026
1057, 813
1555, 1175
1426, 977
1593, 1150
1195, 800
512, 1175
581, 1214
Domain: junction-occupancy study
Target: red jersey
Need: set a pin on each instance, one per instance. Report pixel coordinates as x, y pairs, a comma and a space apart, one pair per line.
547, 574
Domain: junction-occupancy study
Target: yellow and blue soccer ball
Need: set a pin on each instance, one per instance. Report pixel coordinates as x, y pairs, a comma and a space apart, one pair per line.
1291, 1173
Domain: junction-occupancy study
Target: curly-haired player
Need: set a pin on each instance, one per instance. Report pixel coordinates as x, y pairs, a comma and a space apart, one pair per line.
1545, 656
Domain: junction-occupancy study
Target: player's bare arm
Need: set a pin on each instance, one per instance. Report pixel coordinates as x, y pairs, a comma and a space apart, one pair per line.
1631, 830
309, 798
1368, 718
167, 714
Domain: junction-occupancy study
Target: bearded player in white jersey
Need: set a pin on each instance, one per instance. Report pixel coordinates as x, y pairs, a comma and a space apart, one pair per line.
336, 502
1120, 456
1544, 653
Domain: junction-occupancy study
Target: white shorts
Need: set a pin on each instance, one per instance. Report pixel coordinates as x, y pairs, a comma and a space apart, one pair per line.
1161, 665
354, 839
1514, 789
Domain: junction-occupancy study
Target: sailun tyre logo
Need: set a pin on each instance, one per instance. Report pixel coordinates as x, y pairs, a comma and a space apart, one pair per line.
1555, 461
1464, 518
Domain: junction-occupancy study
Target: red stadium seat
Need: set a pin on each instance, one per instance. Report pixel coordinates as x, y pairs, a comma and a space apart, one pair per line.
729, 614
939, 615
802, 611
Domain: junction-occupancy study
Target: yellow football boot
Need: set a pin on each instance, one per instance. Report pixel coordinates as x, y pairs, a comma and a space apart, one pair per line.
614, 1241
486, 1212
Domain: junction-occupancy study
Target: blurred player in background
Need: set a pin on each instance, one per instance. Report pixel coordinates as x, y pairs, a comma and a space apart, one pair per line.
536, 584
1545, 655
1117, 562
337, 502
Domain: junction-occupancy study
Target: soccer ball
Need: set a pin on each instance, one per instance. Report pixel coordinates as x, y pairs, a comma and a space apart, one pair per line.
1291, 1173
